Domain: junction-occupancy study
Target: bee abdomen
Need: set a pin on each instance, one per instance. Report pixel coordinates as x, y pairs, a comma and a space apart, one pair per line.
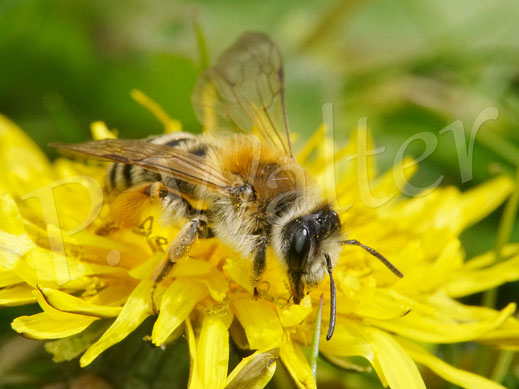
121, 176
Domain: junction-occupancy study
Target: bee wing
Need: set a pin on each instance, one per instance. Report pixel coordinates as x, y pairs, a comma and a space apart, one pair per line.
244, 91
162, 159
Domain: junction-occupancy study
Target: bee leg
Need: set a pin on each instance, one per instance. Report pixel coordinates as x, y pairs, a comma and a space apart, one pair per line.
177, 250
259, 259
156, 190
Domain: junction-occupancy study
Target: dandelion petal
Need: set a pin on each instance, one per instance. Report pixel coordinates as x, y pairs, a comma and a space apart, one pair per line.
177, 302
17, 295
470, 281
254, 371
296, 364
8, 278
21, 174
67, 303
10, 219
12, 248
441, 328
483, 199
212, 356
294, 314
397, 366
137, 308
43, 326
349, 339
450, 373
260, 321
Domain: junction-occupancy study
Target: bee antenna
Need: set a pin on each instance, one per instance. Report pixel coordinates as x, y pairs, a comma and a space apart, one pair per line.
333, 299
375, 253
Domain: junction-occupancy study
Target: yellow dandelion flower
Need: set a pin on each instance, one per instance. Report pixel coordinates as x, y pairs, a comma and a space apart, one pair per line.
94, 282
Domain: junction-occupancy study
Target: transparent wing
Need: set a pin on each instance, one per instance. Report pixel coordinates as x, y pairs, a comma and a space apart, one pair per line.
244, 91
162, 159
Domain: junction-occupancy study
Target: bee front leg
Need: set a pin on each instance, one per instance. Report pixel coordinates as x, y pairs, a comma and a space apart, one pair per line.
259, 260
177, 250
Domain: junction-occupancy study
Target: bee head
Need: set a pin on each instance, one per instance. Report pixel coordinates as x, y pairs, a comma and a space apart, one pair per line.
310, 245
305, 237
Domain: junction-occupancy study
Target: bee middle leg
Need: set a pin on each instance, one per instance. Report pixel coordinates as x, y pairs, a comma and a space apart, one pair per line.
179, 247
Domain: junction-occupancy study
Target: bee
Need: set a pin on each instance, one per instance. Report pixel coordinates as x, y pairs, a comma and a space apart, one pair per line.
238, 181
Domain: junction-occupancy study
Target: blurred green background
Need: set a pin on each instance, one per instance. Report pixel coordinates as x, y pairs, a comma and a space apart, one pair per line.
409, 66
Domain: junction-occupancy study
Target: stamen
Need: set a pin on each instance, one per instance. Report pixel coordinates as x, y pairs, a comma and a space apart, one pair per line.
333, 299
170, 125
375, 253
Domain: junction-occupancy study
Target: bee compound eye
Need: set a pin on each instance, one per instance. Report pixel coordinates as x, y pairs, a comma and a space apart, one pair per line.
335, 217
299, 248
300, 240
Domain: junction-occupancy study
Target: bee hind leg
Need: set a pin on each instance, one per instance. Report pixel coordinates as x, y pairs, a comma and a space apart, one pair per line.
178, 249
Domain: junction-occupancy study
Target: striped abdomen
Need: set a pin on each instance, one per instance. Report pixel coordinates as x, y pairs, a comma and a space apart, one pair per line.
121, 176
181, 198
